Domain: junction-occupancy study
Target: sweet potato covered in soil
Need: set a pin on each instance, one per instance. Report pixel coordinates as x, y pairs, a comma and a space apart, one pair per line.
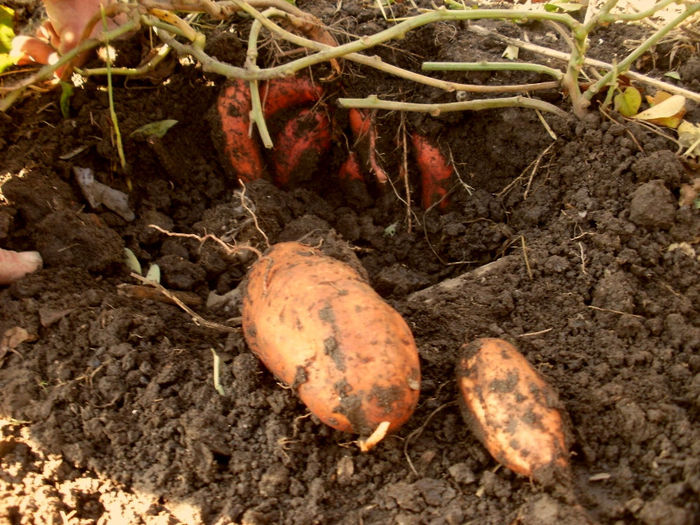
300, 147
320, 328
239, 151
512, 410
436, 173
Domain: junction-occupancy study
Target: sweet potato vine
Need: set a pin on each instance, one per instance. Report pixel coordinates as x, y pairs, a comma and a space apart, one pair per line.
169, 20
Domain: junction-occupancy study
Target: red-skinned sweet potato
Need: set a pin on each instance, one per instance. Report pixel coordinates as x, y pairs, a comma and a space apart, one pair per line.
365, 135
351, 180
239, 151
282, 93
512, 410
320, 328
435, 172
300, 146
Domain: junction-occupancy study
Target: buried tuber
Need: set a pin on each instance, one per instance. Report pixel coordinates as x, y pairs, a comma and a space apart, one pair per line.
239, 149
320, 328
513, 411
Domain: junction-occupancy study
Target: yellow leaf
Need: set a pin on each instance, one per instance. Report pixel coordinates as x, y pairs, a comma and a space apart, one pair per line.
658, 97
689, 137
627, 103
667, 112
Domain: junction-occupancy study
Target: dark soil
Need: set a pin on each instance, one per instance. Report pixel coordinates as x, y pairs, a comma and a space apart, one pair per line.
109, 413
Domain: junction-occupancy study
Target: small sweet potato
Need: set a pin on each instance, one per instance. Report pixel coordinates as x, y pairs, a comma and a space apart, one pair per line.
512, 410
239, 151
365, 133
320, 328
435, 172
300, 146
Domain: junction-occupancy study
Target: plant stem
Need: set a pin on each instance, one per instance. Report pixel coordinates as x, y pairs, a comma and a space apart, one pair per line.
46, 72
256, 113
629, 17
110, 96
640, 50
374, 102
399, 30
212, 65
149, 66
599, 17
492, 66
560, 55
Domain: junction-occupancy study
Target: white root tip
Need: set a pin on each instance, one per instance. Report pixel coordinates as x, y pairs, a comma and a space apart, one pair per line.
379, 433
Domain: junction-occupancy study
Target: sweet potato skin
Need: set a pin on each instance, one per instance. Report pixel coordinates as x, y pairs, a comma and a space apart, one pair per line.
279, 94
319, 327
351, 180
512, 410
435, 172
240, 152
300, 147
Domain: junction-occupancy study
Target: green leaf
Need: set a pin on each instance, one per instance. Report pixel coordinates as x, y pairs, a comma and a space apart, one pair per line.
66, 94
6, 32
5, 62
627, 103
153, 129
673, 74
6, 36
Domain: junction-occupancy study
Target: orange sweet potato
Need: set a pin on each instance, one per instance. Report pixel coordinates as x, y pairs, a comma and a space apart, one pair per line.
239, 151
320, 328
512, 410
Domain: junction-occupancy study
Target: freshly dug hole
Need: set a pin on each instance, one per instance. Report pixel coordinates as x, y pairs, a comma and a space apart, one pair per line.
320, 328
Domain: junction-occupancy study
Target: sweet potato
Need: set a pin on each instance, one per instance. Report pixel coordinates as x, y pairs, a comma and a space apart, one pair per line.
512, 410
239, 151
321, 329
288, 92
435, 172
300, 146
360, 123
365, 134
351, 181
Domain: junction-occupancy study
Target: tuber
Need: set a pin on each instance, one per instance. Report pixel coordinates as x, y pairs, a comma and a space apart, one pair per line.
512, 410
283, 93
435, 172
300, 146
239, 151
319, 327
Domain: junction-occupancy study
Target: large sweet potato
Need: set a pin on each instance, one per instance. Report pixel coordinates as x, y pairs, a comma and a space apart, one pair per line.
320, 328
512, 410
